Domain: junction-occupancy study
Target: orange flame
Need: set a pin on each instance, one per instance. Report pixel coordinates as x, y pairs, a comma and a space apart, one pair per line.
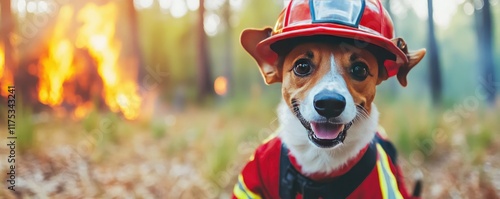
2, 60
57, 67
6, 78
97, 35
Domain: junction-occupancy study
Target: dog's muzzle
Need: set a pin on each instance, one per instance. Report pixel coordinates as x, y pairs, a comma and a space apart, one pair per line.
322, 143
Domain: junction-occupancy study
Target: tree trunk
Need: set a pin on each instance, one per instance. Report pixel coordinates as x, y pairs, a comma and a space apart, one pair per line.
228, 42
205, 87
485, 51
134, 34
393, 85
434, 70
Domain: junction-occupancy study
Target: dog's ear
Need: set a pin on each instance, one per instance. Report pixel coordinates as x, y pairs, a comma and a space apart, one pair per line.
249, 40
414, 57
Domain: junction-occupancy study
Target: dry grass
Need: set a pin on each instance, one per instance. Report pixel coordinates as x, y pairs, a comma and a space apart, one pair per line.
198, 152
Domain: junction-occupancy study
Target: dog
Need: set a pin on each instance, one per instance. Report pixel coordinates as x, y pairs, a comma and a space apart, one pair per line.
328, 144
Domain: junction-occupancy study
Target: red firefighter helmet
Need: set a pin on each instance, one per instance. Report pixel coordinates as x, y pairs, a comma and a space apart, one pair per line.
362, 20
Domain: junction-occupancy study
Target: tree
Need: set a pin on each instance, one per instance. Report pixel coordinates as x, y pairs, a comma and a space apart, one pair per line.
204, 83
434, 67
485, 50
134, 32
393, 85
228, 46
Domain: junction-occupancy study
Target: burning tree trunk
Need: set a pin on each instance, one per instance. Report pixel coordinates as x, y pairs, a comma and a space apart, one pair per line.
485, 50
434, 70
204, 81
6, 49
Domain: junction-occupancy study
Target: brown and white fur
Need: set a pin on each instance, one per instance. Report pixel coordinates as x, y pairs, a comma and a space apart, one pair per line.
332, 66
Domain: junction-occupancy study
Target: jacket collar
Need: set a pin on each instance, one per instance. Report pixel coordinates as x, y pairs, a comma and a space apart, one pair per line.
338, 184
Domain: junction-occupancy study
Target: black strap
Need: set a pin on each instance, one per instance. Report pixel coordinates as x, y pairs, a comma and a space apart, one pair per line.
292, 182
388, 147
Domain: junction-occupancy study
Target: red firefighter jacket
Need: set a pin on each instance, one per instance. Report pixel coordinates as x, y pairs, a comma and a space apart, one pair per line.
272, 172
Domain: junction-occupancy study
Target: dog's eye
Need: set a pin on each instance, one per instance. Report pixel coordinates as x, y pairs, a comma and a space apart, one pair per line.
359, 71
303, 67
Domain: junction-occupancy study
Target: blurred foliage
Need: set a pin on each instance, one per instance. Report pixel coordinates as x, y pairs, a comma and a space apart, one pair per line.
158, 128
458, 51
25, 128
170, 43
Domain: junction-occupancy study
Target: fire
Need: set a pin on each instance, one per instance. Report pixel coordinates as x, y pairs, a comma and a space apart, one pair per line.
2, 60
57, 66
98, 35
6, 78
60, 70
220, 85
82, 110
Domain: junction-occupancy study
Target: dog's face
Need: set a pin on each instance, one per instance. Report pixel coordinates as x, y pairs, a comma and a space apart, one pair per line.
328, 86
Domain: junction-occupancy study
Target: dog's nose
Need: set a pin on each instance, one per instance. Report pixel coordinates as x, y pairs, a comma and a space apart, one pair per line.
329, 104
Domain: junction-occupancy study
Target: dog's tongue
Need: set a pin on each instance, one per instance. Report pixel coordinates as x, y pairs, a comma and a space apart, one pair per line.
327, 131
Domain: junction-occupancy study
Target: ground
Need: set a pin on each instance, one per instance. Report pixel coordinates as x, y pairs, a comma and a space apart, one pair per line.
197, 152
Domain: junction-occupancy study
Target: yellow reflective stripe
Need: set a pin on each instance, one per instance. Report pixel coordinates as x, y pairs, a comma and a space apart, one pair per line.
241, 191
382, 180
238, 192
384, 160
